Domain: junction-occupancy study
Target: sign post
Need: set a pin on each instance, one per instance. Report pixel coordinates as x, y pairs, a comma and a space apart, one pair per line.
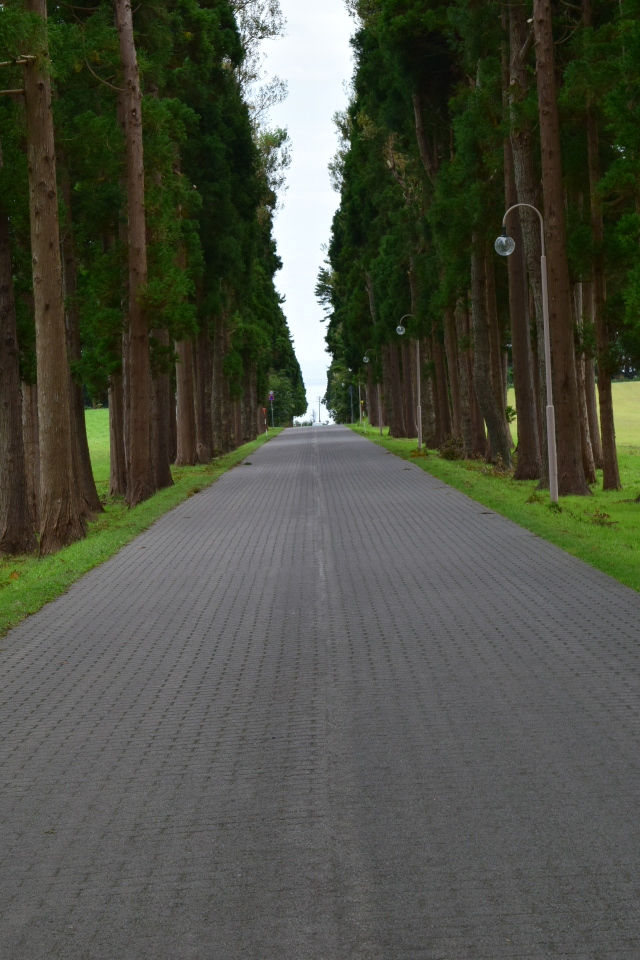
271, 399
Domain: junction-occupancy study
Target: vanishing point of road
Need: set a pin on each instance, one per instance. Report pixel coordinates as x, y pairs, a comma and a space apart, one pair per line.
328, 709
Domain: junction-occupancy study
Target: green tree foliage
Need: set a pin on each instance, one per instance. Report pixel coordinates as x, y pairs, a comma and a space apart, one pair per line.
421, 175
211, 175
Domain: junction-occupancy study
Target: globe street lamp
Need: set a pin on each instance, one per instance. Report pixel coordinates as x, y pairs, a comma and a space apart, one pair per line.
400, 330
366, 359
505, 245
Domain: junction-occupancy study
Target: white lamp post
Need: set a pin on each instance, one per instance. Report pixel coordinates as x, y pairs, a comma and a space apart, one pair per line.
400, 330
505, 245
366, 359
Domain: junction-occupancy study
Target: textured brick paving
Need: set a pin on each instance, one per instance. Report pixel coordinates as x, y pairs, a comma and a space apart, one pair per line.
329, 709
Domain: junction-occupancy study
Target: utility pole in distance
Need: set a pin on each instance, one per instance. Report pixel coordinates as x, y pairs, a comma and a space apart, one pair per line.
319, 411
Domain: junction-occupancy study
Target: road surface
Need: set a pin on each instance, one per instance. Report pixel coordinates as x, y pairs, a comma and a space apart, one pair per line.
327, 709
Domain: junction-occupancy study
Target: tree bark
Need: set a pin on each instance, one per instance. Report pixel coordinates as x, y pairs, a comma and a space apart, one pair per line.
489, 406
81, 455
61, 521
31, 450
117, 460
588, 461
528, 192
372, 398
409, 391
461, 320
571, 478
590, 382
203, 376
140, 480
185, 405
398, 426
443, 410
529, 460
17, 533
160, 421
227, 404
453, 366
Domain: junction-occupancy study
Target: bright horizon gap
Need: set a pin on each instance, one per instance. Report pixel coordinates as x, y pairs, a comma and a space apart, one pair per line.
314, 58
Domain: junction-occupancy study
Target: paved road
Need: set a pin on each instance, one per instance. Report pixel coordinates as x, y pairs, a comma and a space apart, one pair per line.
329, 709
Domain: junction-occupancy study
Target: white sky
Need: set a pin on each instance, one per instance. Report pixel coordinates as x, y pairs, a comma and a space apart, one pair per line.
315, 59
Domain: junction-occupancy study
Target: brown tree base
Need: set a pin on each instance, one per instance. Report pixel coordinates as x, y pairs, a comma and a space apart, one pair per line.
526, 470
60, 527
15, 542
573, 489
615, 486
138, 494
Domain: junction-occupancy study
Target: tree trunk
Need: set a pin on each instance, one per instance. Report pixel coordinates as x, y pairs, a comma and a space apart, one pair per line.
216, 386
453, 366
590, 382
461, 320
571, 478
117, 460
610, 469
160, 421
372, 398
227, 404
443, 410
31, 450
173, 424
528, 192
203, 374
81, 455
17, 534
529, 460
495, 342
185, 405
140, 478
61, 521
588, 461
409, 393
387, 392
399, 428
427, 391
489, 406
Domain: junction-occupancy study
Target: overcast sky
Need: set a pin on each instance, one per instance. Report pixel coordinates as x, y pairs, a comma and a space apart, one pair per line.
315, 59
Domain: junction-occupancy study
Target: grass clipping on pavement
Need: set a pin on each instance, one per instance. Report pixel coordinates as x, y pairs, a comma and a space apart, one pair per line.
603, 530
27, 583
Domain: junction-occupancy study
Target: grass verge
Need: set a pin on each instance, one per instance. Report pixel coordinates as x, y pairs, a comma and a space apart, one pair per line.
603, 530
27, 583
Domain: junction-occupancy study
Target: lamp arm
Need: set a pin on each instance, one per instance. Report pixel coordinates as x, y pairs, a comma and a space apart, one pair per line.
535, 209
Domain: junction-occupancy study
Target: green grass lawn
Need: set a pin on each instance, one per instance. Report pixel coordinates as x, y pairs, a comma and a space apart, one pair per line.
603, 530
27, 582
